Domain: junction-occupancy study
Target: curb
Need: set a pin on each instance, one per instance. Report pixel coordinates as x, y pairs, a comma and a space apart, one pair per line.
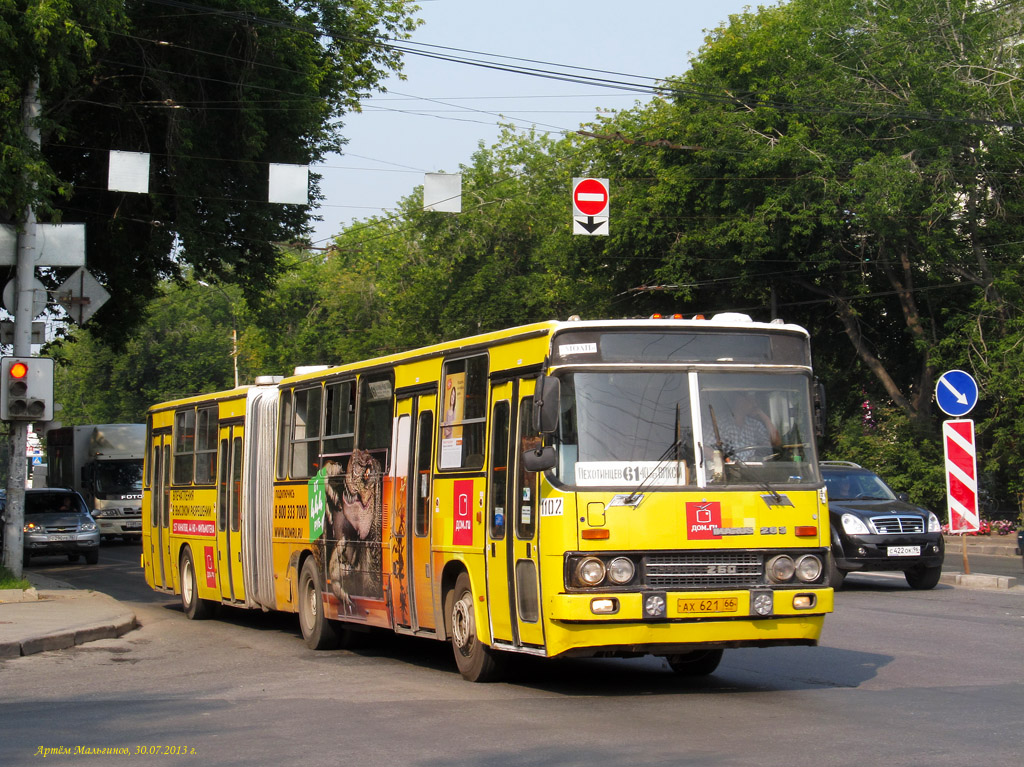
979, 581
19, 595
52, 615
61, 640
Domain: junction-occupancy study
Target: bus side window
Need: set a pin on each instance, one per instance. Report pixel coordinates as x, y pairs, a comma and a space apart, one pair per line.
206, 446
340, 421
421, 514
306, 432
284, 430
184, 446
464, 413
376, 411
499, 469
526, 518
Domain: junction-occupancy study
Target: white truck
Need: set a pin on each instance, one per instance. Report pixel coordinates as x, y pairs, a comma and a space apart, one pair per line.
103, 462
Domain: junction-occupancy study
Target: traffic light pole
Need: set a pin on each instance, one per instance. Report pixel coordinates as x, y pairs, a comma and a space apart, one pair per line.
17, 472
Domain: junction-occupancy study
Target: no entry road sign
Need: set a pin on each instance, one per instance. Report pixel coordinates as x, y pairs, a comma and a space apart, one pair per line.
590, 196
961, 476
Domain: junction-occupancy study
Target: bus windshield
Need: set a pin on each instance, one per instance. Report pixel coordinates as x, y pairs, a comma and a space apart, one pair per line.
621, 428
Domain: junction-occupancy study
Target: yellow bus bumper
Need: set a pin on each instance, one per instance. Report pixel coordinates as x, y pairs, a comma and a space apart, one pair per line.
574, 628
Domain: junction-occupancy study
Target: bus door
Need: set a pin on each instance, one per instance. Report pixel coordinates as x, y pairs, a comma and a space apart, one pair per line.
159, 509
512, 556
499, 591
412, 582
525, 556
229, 512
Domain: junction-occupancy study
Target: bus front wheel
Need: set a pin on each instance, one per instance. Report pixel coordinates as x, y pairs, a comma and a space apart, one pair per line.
317, 631
476, 661
196, 609
696, 663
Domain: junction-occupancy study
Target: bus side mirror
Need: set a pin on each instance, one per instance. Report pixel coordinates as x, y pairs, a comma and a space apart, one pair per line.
819, 408
539, 459
545, 405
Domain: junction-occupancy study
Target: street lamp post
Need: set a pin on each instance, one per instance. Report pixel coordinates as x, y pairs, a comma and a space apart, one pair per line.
234, 326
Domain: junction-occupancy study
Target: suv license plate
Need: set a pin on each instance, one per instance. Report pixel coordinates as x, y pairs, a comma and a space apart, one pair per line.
711, 605
135, 524
904, 551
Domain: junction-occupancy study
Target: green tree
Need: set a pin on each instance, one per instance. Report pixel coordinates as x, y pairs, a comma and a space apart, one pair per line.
214, 92
853, 166
181, 346
509, 258
54, 42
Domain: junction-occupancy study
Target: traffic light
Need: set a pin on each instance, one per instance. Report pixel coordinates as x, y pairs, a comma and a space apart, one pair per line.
26, 393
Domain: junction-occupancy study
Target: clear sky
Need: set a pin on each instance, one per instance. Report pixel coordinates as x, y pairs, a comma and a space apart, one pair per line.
434, 120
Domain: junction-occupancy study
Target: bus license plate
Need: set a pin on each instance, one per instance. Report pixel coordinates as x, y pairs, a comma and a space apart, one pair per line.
712, 605
904, 551
134, 524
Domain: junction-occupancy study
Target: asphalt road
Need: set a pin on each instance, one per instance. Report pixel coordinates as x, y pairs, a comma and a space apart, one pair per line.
902, 677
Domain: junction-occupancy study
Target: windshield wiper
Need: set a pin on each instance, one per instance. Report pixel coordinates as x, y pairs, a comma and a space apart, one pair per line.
634, 498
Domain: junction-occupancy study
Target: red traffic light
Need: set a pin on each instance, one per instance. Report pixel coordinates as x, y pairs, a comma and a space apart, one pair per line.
18, 370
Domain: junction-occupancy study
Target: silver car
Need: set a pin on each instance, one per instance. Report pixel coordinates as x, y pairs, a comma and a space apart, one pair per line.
58, 522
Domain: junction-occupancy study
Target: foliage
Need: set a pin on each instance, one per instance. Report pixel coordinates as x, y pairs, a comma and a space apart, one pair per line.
507, 259
8, 581
214, 92
56, 41
182, 346
891, 446
853, 167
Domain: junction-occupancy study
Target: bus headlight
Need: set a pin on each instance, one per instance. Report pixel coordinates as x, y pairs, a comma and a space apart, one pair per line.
761, 603
655, 606
781, 568
590, 571
621, 570
808, 568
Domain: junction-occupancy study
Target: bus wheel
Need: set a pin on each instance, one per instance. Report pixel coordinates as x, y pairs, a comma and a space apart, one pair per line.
476, 661
835, 575
696, 663
196, 609
317, 631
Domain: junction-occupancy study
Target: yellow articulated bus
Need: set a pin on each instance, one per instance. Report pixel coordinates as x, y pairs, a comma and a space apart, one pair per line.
577, 488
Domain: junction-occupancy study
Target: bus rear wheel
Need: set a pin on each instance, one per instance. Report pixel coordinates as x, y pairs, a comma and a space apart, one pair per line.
195, 609
476, 661
696, 663
317, 631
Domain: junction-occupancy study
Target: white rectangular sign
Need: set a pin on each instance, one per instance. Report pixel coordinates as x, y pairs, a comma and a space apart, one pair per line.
630, 473
56, 245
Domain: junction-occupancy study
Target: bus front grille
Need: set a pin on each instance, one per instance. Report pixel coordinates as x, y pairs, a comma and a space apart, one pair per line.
704, 570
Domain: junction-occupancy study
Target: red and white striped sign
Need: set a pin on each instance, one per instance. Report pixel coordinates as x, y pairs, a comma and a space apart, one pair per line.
961, 476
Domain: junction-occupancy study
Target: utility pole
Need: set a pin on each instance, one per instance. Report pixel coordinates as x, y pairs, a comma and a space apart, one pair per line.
23, 316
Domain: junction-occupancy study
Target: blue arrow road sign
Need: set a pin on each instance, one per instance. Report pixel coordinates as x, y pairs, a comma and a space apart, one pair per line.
956, 393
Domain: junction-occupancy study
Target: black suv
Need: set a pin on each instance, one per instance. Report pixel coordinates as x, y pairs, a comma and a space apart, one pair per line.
873, 528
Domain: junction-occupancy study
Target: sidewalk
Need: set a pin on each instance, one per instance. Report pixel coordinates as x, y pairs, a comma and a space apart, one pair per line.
52, 616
